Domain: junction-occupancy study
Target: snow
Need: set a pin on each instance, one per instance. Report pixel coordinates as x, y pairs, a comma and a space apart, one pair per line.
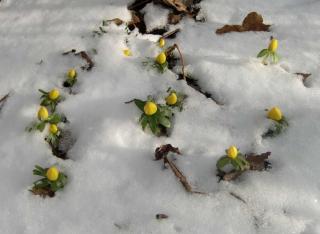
114, 184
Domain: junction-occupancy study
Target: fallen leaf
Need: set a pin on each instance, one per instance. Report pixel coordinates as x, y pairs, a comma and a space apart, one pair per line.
252, 22
163, 151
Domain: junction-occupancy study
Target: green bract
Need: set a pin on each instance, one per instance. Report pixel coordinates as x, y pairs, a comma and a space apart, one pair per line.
267, 54
277, 128
153, 64
239, 163
158, 122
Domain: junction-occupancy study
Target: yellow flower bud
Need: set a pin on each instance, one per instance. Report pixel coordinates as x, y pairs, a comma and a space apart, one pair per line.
162, 42
161, 58
150, 108
127, 52
52, 174
72, 74
172, 99
275, 114
43, 113
273, 45
53, 128
54, 94
232, 152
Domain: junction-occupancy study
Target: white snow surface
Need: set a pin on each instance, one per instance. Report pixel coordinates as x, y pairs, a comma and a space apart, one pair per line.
114, 184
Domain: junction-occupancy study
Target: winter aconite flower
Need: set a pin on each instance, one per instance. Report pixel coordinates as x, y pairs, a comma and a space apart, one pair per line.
279, 123
52, 174
50, 99
43, 113
275, 114
72, 73
233, 158
162, 42
232, 152
270, 52
172, 99
156, 116
71, 78
54, 94
161, 58
273, 45
150, 108
53, 129
127, 52
52, 180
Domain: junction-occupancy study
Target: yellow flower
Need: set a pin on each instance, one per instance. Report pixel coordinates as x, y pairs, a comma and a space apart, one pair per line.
273, 45
172, 99
232, 152
54, 94
275, 114
150, 108
52, 174
43, 113
161, 58
162, 42
127, 52
53, 128
72, 74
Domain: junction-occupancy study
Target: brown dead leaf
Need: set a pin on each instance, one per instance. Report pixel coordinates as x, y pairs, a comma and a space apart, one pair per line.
163, 151
3, 100
178, 5
116, 21
161, 216
174, 18
84, 55
258, 162
252, 22
43, 192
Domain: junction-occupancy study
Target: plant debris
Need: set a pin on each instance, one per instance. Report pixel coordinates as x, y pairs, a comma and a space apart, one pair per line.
238, 197
257, 163
304, 76
161, 216
192, 82
252, 22
169, 52
64, 144
42, 192
3, 100
84, 55
162, 153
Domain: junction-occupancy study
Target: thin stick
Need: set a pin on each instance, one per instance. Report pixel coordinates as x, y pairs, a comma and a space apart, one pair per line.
182, 63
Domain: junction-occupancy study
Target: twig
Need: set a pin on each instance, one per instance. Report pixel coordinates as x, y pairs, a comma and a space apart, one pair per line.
169, 34
3, 100
170, 50
238, 197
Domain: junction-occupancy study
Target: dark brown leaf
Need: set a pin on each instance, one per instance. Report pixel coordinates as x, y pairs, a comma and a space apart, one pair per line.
43, 192
252, 22
258, 162
174, 18
163, 151
161, 216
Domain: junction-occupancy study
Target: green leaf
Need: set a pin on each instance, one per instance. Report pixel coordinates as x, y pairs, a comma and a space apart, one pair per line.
43, 92
222, 162
153, 125
140, 104
41, 126
165, 122
54, 119
144, 121
235, 164
262, 53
